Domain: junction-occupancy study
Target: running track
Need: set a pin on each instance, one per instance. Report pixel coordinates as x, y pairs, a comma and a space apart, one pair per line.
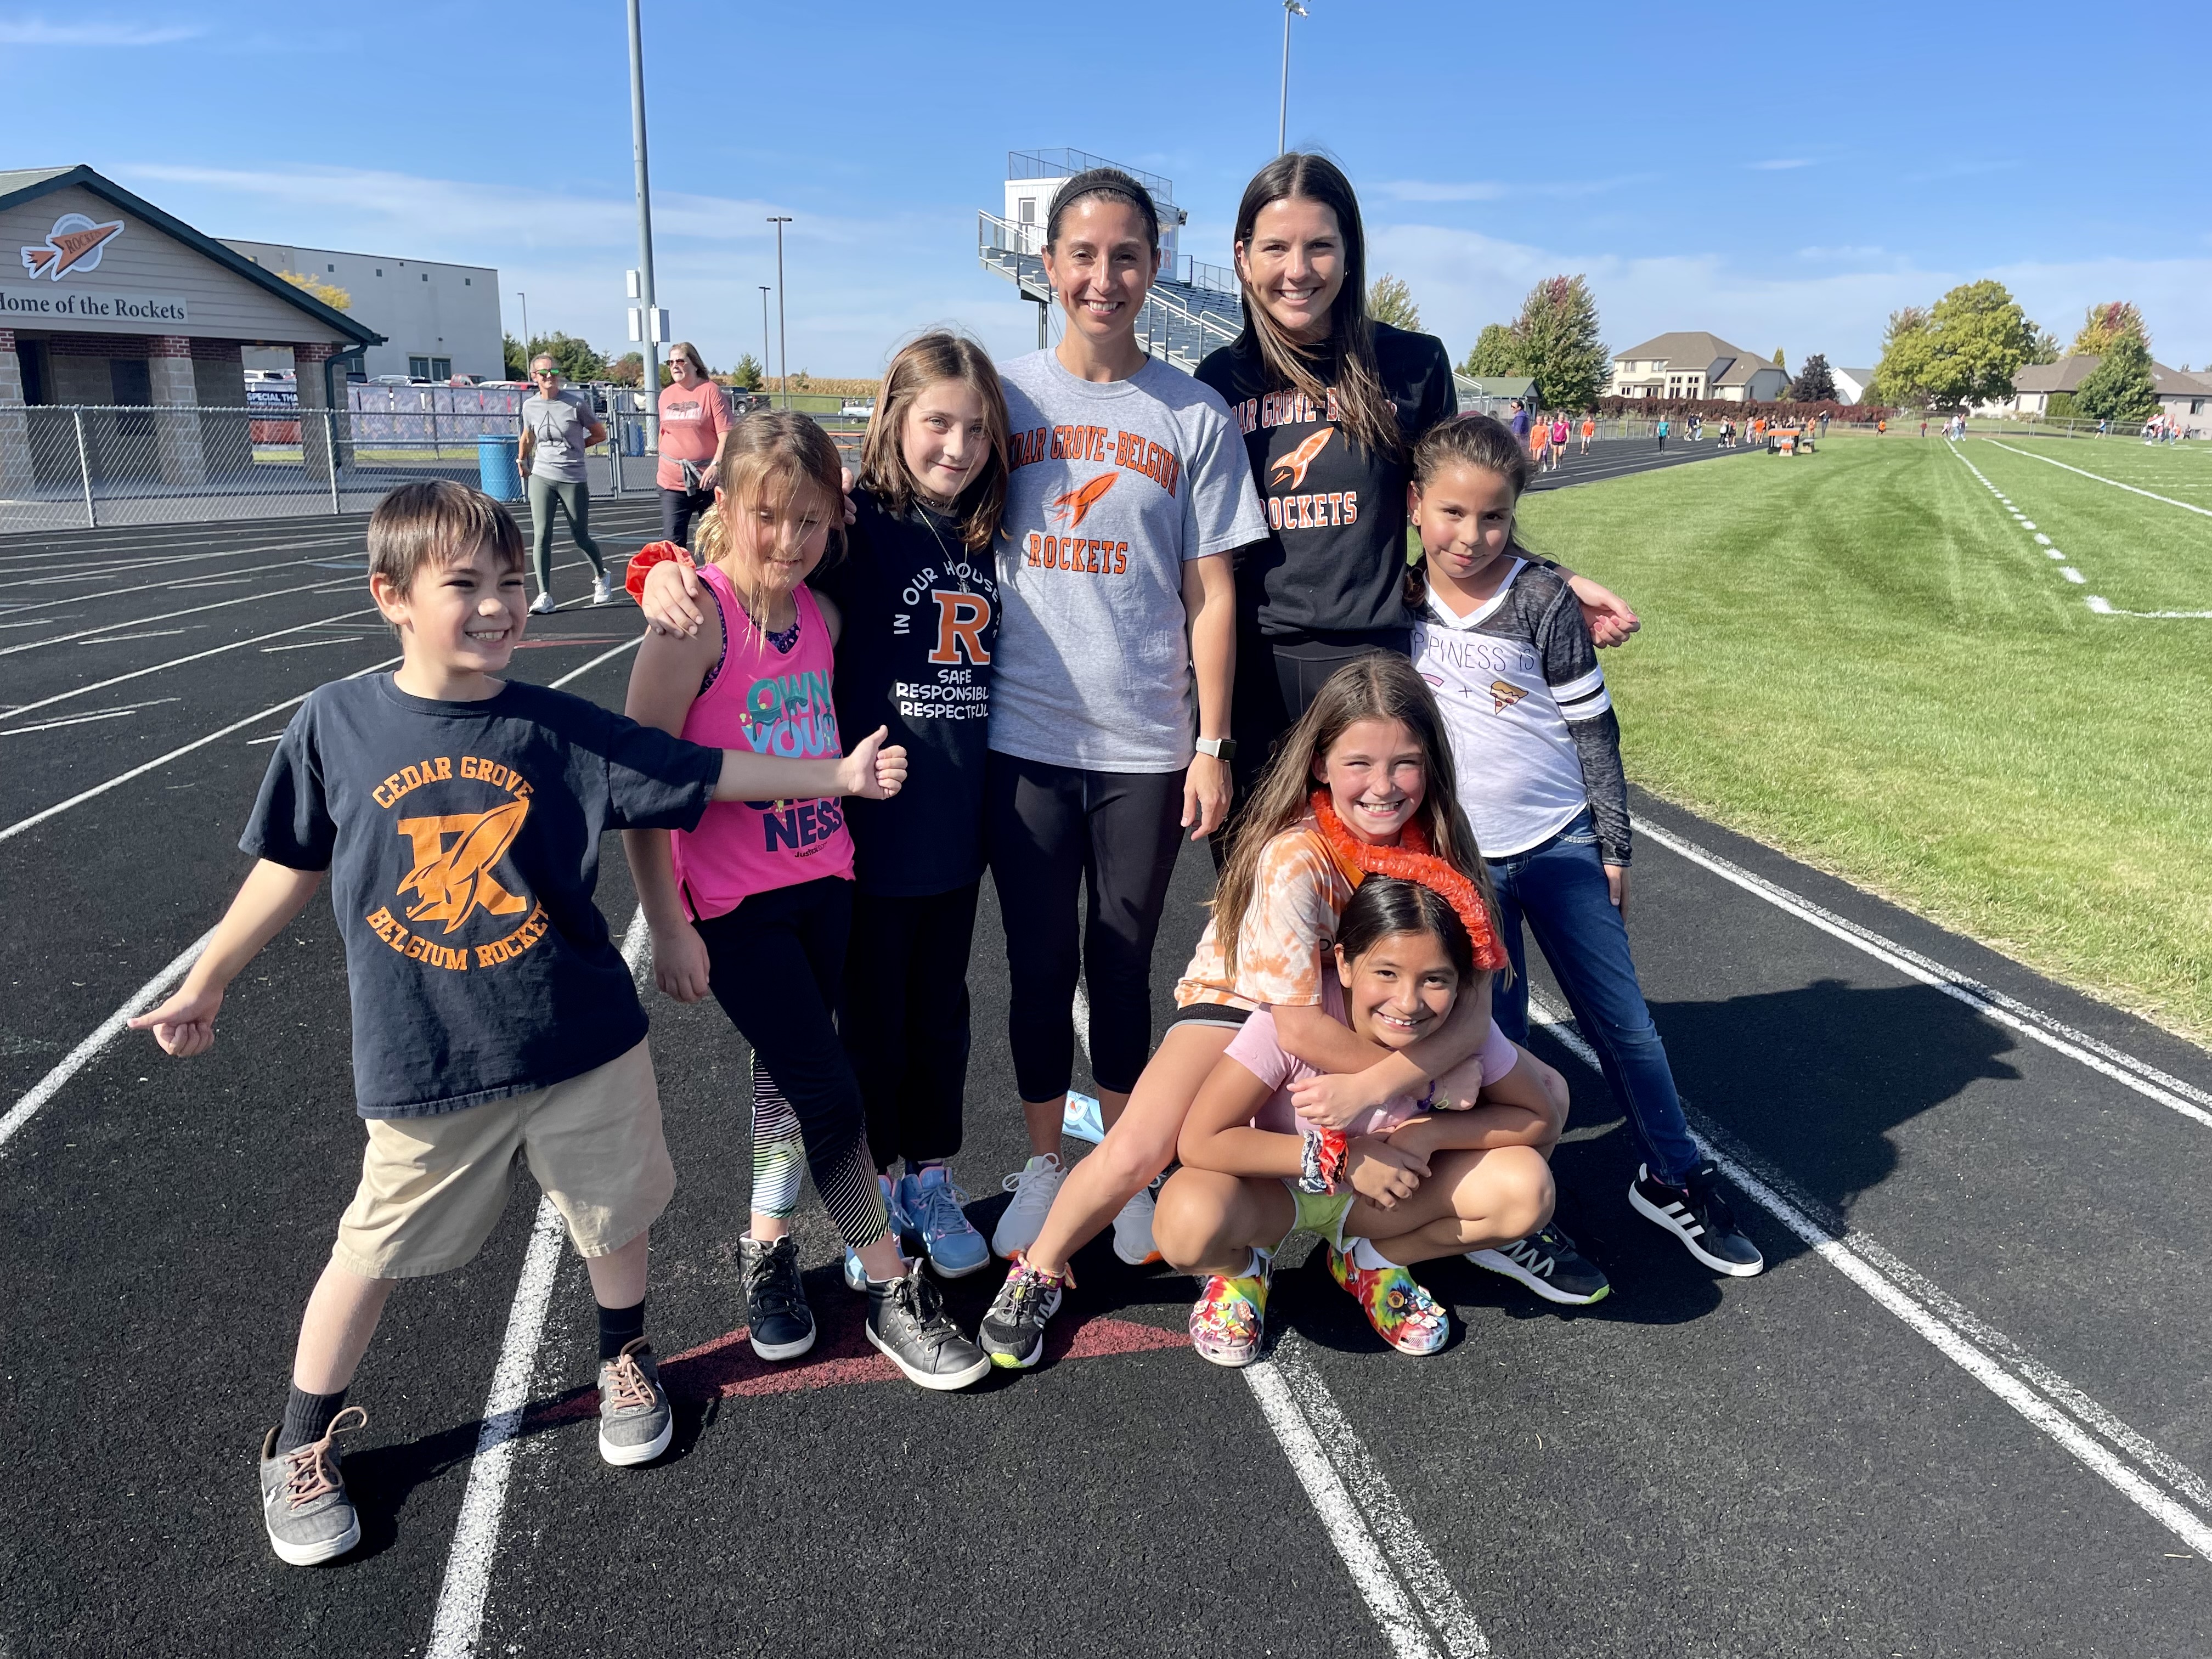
1961, 1414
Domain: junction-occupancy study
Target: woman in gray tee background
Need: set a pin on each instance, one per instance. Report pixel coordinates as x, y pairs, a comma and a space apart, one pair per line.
557, 427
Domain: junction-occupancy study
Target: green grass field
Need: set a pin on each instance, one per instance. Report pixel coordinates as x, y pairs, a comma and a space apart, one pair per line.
1862, 658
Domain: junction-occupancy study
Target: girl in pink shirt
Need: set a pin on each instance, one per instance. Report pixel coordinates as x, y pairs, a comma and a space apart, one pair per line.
755, 904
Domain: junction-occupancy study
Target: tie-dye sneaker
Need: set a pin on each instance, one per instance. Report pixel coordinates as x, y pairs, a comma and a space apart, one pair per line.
1230, 1319
1403, 1314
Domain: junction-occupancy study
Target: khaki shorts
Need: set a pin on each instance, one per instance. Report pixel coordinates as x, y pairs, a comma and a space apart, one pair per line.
432, 1189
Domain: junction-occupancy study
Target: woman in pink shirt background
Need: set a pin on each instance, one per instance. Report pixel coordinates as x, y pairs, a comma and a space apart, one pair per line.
694, 416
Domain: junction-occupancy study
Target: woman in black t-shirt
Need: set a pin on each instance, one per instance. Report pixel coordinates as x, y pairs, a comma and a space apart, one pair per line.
1330, 403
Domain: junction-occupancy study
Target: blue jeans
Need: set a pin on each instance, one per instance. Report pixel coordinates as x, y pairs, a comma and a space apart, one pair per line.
1558, 887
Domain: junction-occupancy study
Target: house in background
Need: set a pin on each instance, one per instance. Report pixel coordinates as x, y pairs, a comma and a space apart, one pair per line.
438, 320
1695, 364
1852, 384
2179, 395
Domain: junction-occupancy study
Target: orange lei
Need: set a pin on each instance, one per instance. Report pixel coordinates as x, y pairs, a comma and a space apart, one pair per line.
1411, 860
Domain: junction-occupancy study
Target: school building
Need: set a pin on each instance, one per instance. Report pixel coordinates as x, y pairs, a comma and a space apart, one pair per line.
438, 320
106, 300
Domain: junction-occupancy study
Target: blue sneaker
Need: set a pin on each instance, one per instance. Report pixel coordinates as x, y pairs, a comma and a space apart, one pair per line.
929, 1204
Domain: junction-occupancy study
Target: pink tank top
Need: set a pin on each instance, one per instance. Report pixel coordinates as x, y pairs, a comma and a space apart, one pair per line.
772, 702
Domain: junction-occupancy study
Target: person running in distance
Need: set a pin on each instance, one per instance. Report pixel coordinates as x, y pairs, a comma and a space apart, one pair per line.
1558, 441
558, 427
1126, 503
754, 904
1663, 435
694, 416
1537, 749
458, 816
1540, 442
1589, 431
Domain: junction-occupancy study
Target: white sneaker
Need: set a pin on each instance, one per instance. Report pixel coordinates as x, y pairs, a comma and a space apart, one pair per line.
1034, 1188
1132, 1232
543, 606
601, 592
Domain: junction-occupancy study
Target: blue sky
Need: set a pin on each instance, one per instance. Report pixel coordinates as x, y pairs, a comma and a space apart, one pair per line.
1782, 176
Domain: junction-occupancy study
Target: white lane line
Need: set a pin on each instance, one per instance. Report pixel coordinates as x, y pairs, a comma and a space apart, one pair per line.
2117, 1064
178, 662
458, 1620
1396, 1575
122, 778
603, 656
78, 572
166, 615
103, 1034
2072, 575
142, 588
152, 634
309, 645
1862, 1261
2202, 512
86, 719
2104, 608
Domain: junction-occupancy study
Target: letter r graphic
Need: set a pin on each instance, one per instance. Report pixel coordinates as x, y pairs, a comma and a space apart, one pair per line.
961, 620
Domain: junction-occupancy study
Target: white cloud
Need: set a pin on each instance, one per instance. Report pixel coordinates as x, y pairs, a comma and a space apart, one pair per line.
37, 32
1780, 164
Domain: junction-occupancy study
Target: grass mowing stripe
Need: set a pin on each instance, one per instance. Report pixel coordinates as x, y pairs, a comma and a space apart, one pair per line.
2185, 507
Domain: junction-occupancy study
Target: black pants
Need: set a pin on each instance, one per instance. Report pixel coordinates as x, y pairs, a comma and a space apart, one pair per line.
1049, 829
1278, 678
776, 963
905, 1024
678, 509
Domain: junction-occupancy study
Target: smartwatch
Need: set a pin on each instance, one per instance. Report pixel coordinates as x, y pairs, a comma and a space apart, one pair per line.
1222, 749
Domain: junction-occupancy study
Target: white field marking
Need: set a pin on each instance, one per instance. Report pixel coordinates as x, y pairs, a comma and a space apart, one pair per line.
2100, 1057
142, 588
2072, 575
151, 540
309, 645
77, 573
1398, 1577
103, 1034
140, 770
603, 656
155, 634
2202, 512
458, 1620
194, 585
2042, 540
2053, 553
178, 662
2103, 608
1962, 1337
166, 615
86, 719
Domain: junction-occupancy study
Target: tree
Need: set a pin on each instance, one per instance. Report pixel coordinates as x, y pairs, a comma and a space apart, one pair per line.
747, 375
628, 369
1496, 352
1815, 382
2045, 350
1778, 363
329, 293
575, 358
1963, 349
516, 356
1389, 300
1556, 339
2120, 387
2102, 324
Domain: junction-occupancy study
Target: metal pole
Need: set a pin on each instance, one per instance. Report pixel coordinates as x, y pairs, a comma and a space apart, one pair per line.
651, 379
84, 467
1291, 8
765, 352
782, 333
331, 448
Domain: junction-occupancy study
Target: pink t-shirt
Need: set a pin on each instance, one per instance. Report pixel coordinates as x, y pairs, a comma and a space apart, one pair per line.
773, 703
1256, 1048
693, 419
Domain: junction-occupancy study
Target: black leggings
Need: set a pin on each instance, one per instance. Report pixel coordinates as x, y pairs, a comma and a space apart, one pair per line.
1050, 829
906, 1019
776, 965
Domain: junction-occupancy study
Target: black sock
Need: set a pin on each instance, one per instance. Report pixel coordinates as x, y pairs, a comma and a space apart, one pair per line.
619, 1326
307, 1418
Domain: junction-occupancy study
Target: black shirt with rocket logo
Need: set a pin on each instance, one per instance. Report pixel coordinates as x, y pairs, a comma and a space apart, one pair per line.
463, 843
1335, 557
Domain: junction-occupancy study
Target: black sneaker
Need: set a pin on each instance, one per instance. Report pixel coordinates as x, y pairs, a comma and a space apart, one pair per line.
1013, 1332
1548, 1263
775, 1302
906, 1321
1698, 1213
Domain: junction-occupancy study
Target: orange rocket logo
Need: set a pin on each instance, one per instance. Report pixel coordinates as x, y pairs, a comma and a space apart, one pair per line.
453, 878
1291, 468
1069, 509
74, 243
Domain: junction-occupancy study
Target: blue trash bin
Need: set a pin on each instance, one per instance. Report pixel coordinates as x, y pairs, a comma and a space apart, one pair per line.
498, 460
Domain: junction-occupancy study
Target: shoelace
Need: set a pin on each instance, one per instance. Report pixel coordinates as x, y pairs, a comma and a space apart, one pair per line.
915, 1300
627, 1386
1024, 1288
1012, 1183
311, 1471
935, 1200
770, 1289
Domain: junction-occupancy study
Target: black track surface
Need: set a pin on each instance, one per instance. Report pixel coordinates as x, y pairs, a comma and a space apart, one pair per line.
1697, 1466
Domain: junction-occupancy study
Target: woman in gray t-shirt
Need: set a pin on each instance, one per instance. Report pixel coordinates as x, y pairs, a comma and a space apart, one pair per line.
557, 427
1128, 494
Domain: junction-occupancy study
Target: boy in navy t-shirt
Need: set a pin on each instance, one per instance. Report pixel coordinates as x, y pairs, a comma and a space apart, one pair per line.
459, 817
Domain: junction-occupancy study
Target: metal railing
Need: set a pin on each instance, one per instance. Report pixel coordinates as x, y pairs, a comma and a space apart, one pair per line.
1187, 314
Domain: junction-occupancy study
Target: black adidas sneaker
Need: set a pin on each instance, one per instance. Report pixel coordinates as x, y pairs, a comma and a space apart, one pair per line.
1698, 1213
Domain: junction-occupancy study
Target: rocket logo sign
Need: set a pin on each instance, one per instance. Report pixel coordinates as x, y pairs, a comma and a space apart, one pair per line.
75, 243
453, 877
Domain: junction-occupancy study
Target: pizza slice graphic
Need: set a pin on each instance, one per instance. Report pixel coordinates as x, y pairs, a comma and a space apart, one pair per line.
1503, 694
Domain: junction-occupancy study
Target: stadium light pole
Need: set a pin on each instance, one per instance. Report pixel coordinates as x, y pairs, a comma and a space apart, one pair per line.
766, 353
649, 381
782, 332
524, 298
1291, 8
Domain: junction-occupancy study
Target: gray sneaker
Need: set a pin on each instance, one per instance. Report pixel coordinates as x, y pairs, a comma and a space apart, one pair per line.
635, 1425
303, 1496
908, 1322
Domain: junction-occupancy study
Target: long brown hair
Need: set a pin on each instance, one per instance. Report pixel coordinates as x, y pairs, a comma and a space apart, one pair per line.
1364, 409
770, 456
1483, 442
1375, 687
920, 363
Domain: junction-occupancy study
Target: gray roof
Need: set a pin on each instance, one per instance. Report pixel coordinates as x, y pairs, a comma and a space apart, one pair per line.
2067, 373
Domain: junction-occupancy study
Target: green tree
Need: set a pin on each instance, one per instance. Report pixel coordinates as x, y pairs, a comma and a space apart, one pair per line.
1496, 352
2120, 387
2046, 347
1557, 337
1815, 382
1778, 363
628, 369
575, 358
2102, 324
329, 293
1389, 300
1963, 349
747, 375
1900, 377
517, 358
